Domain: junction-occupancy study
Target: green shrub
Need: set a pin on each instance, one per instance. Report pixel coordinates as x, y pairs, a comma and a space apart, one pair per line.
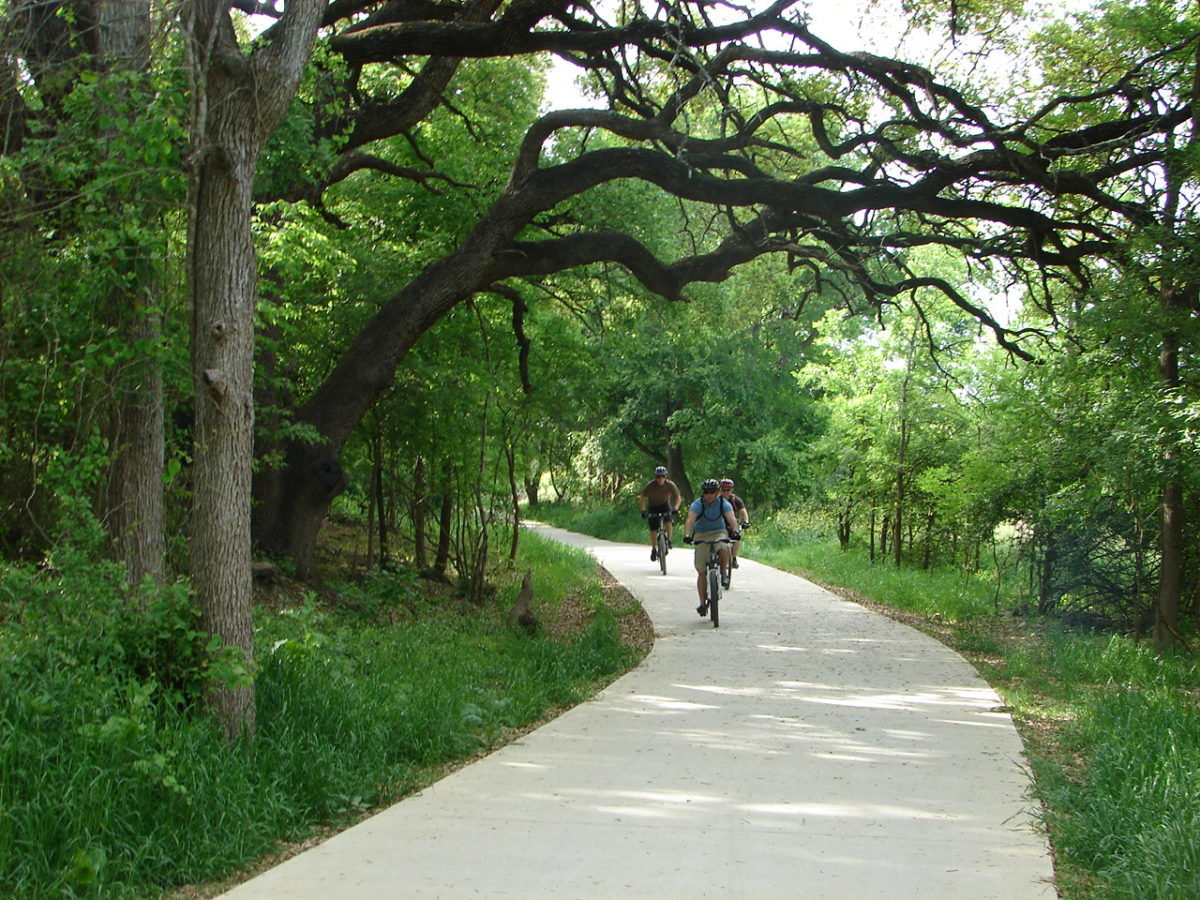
114, 782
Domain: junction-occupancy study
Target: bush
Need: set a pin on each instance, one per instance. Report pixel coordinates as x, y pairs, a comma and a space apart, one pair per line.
115, 783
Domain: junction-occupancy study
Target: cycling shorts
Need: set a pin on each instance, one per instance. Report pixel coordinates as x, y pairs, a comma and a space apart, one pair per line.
657, 513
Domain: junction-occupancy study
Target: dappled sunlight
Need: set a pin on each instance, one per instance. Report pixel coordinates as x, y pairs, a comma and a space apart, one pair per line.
879, 701
871, 811
745, 744
717, 689
648, 805
781, 721
668, 704
906, 735
874, 752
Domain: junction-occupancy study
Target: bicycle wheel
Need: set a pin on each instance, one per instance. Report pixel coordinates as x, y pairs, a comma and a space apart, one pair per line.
714, 593
661, 541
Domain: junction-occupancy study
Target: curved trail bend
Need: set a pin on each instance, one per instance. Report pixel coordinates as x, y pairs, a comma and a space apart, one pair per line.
808, 748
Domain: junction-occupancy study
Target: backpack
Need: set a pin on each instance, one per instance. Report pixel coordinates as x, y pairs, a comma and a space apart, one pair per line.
720, 516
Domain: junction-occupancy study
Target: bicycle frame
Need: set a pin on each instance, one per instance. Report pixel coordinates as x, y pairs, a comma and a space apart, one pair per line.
712, 574
660, 538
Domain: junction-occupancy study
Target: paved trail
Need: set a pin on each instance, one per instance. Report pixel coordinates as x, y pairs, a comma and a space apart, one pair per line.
808, 748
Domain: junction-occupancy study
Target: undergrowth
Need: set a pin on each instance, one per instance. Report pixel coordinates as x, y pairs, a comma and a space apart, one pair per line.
115, 783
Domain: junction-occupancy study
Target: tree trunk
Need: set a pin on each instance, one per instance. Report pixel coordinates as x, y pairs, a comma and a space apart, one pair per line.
374, 498
532, 486
845, 519
1177, 300
445, 522
678, 470
135, 480
418, 511
135, 485
515, 497
927, 553
237, 102
223, 283
384, 509
902, 459
1170, 580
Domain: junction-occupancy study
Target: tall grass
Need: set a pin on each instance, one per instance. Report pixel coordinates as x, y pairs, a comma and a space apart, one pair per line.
114, 784
611, 521
1112, 728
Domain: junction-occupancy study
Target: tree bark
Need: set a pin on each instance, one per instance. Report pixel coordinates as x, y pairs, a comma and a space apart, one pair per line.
1170, 578
1177, 296
134, 512
445, 524
135, 486
419, 511
237, 101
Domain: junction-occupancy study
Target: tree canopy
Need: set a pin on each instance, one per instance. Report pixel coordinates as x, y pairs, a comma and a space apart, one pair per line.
449, 287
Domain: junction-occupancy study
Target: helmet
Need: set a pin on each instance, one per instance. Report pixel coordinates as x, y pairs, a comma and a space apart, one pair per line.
727, 483
710, 486
660, 471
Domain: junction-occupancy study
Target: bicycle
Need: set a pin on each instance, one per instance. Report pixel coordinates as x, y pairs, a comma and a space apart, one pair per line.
712, 575
732, 558
661, 543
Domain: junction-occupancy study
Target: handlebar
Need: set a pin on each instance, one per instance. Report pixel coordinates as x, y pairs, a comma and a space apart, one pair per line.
688, 539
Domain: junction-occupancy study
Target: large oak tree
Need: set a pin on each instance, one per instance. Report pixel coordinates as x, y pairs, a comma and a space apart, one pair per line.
843, 161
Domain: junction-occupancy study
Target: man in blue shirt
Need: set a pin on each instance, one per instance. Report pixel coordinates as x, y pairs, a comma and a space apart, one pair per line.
710, 518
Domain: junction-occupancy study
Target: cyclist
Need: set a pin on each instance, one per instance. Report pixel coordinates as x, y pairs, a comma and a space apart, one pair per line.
659, 500
709, 517
739, 512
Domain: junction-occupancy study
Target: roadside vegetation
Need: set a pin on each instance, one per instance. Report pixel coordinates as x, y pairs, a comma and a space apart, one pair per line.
1111, 728
936, 313
114, 782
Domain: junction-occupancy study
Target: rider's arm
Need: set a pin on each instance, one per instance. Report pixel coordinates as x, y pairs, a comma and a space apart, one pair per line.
730, 516
691, 521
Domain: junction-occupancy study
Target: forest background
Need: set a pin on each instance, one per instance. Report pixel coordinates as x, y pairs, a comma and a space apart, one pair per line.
938, 305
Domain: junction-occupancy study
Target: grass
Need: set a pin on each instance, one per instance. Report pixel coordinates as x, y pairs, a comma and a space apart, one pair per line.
113, 783
1111, 729
610, 521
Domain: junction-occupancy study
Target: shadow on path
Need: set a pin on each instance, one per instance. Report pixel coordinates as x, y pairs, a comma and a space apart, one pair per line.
808, 748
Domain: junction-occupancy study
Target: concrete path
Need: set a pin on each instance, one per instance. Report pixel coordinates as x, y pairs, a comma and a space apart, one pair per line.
807, 748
